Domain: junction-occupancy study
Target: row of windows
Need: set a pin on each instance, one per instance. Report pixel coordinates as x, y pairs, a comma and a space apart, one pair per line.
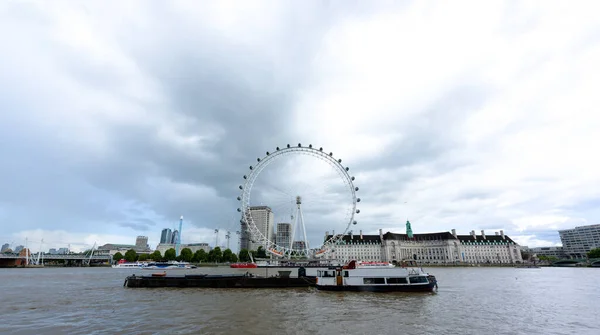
394, 280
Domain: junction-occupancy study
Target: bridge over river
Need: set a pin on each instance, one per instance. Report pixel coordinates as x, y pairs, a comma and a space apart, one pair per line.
36, 259
595, 262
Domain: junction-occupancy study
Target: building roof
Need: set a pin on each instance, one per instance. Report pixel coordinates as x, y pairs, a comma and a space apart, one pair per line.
425, 237
256, 208
357, 239
116, 246
418, 237
580, 228
488, 238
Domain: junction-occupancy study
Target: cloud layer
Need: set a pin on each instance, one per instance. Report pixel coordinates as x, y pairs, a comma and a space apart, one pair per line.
117, 119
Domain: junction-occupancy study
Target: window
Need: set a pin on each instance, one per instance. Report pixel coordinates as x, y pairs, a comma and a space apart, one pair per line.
417, 280
373, 280
346, 274
326, 273
400, 280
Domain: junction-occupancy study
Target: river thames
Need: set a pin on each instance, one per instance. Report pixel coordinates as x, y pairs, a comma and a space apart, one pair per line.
469, 301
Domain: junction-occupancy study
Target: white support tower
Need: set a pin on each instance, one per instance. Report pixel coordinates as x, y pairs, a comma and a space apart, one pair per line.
299, 224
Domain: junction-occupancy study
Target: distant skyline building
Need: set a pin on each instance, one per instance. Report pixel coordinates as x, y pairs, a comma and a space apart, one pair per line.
263, 219
298, 246
5, 247
52, 251
18, 249
577, 242
557, 252
283, 235
244, 235
175, 237
165, 235
141, 242
62, 251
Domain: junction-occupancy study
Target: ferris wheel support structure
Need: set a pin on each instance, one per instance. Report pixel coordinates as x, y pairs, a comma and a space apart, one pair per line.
299, 224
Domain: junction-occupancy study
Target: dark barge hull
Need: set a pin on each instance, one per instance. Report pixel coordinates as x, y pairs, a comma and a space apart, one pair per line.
218, 281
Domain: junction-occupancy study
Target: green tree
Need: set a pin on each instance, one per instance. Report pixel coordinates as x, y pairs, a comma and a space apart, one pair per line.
594, 253
118, 256
229, 256
170, 255
200, 256
186, 254
547, 258
215, 255
143, 257
156, 256
244, 255
131, 255
226, 255
261, 253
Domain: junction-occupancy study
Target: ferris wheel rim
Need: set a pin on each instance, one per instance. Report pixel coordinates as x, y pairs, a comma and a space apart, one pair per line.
262, 163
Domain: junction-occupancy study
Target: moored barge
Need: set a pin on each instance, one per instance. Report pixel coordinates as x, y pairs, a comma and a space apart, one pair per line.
219, 281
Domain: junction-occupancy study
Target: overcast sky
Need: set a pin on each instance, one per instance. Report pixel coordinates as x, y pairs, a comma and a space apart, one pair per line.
118, 117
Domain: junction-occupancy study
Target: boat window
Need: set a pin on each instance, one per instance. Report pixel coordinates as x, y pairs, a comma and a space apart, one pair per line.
416, 280
346, 274
327, 274
374, 280
397, 280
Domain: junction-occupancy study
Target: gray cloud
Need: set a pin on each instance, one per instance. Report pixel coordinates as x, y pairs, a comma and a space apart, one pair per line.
237, 98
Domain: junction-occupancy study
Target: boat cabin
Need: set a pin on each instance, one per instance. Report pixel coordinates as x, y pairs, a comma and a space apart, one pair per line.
374, 276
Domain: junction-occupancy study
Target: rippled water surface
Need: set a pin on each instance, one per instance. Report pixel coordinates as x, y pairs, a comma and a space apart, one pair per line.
469, 301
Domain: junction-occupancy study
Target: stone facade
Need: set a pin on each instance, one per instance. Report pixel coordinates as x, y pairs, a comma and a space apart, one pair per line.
430, 248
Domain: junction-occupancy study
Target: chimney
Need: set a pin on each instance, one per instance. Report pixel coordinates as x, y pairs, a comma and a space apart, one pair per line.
502, 234
454, 233
361, 234
351, 235
482, 234
496, 233
380, 233
326, 234
473, 233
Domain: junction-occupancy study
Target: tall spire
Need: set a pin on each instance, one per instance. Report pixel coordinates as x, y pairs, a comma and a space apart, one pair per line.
408, 229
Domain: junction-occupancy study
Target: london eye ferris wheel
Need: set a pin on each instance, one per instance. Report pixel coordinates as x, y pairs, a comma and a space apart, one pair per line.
303, 191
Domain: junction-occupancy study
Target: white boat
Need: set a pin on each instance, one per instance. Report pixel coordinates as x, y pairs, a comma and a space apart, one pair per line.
173, 265
127, 265
376, 277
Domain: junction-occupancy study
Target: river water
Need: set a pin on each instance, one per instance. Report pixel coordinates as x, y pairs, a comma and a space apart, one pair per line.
469, 301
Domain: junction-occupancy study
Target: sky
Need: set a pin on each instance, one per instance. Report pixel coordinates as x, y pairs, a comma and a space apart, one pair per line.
116, 118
